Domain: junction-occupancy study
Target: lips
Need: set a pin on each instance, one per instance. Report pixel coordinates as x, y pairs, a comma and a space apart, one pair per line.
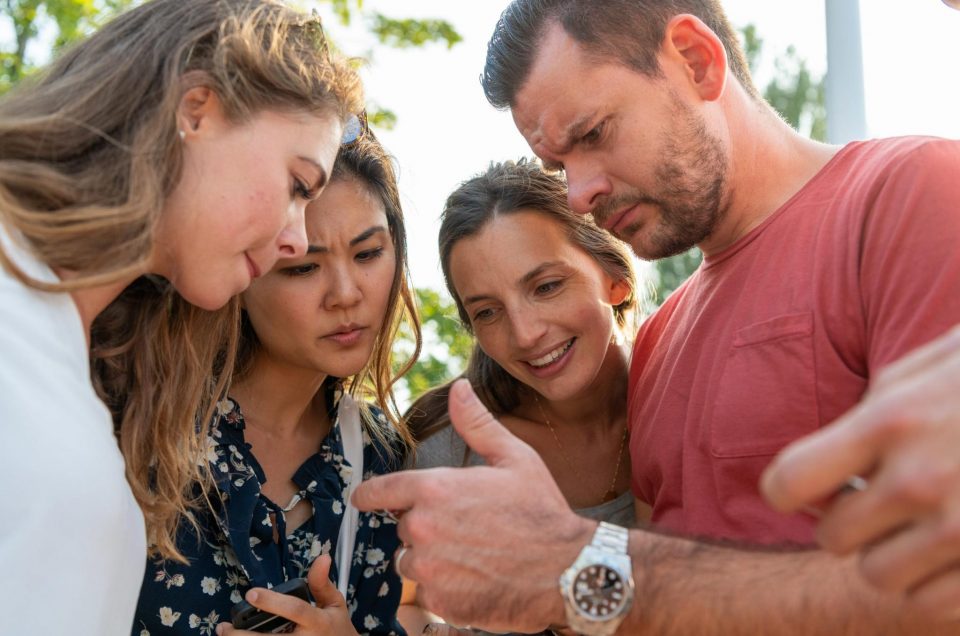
346, 335
619, 221
551, 356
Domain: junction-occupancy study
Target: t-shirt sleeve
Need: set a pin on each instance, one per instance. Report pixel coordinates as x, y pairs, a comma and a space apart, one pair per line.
910, 261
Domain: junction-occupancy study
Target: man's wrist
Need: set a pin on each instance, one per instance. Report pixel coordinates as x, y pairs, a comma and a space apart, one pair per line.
579, 534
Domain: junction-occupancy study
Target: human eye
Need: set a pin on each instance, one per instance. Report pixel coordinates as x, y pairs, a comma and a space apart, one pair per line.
299, 270
548, 287
301, 189
483, 315
367, 256
593, 135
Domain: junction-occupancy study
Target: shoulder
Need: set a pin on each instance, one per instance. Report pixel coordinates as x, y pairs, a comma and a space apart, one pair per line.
444, 448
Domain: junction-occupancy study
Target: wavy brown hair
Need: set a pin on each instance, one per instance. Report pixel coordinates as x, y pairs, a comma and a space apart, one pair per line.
366, 162
89, 152
508, 188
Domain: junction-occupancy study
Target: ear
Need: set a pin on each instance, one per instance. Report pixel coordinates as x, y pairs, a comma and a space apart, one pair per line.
700, 52
200, 108
619, 290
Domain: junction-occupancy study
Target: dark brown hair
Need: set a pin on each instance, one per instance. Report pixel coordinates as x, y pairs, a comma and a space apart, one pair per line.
508, 188
368, 163
629, 31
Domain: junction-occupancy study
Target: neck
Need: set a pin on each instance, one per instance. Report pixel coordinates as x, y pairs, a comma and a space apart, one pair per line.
769, 162
603, 401
280, 399
92, 301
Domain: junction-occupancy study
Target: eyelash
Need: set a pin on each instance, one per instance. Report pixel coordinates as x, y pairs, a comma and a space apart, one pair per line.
482, 315
369, 255
306, 269
301, 190
593, 135
551, 286
300, 270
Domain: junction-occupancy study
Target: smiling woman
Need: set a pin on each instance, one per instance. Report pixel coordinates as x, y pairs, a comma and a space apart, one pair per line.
549, 320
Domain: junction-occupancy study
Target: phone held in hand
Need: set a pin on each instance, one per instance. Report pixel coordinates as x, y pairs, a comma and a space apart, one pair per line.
243, 615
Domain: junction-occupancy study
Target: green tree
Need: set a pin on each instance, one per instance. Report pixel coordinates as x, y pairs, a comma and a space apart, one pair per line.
447, 345
799, 98
59, 21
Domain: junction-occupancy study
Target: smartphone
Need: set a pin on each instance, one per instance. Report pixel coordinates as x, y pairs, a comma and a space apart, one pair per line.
243, 615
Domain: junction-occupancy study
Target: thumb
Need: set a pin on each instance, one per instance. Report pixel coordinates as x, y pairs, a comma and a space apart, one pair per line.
325, 593
479, 428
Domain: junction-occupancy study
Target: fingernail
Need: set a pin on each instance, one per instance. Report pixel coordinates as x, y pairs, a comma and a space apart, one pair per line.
463, 390
252, 596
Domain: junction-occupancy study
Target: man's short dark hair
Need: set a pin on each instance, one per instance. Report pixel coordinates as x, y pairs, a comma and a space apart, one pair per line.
629, 31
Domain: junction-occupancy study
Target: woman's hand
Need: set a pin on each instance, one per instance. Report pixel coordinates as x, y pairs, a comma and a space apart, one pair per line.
329, 617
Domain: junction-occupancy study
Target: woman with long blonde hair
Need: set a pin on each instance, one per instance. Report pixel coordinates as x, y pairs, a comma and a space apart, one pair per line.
313, 367
147, 177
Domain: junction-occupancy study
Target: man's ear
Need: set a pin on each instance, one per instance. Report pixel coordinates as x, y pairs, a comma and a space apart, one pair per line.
695, 46
200, 107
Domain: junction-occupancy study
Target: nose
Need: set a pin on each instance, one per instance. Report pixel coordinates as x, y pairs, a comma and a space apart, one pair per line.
344, 290
526, 328
292, 240
587, 186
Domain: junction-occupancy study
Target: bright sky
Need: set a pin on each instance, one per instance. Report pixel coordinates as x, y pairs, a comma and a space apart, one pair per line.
447, 132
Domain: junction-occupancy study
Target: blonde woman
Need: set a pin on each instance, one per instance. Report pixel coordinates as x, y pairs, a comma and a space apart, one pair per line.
316, 337
147, 177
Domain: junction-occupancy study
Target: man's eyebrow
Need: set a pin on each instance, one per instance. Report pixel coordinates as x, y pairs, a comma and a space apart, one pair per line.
568, 138
574, 131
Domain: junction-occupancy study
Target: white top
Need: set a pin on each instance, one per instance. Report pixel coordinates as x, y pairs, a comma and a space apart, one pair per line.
72, 538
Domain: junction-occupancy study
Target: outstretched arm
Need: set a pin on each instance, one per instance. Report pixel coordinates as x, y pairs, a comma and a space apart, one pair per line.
487, 545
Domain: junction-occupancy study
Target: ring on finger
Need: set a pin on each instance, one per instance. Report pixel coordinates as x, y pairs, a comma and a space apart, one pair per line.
396, 560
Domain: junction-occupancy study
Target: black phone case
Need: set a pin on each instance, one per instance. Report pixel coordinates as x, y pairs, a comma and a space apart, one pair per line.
243, 615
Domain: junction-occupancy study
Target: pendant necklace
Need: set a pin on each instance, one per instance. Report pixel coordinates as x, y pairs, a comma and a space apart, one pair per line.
611, 493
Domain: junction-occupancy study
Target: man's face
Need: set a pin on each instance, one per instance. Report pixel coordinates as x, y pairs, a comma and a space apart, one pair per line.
636, 156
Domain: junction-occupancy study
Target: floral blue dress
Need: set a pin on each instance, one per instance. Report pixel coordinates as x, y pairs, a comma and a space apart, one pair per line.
237, 550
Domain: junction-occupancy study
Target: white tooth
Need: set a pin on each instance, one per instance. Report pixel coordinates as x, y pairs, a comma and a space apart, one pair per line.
550, 357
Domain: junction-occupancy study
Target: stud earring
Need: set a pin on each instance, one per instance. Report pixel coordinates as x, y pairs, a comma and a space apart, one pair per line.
183, 135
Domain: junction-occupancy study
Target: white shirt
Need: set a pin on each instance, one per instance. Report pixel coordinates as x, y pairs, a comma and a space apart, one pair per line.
72, 538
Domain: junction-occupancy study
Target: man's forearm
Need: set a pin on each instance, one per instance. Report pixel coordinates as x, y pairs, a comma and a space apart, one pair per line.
690, 587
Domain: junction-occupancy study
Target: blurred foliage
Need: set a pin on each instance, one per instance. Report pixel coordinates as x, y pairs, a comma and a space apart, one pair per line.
447, 345
63, 20
55, 23
797, 96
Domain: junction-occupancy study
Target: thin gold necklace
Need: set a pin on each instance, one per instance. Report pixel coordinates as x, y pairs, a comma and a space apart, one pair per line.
611, 493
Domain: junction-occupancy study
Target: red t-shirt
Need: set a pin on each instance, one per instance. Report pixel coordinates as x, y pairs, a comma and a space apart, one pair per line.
780, 333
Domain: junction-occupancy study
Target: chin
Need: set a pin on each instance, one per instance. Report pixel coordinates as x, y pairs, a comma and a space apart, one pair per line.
208, 299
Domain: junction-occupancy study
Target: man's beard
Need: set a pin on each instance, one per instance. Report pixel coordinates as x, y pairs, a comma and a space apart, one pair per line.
689, 199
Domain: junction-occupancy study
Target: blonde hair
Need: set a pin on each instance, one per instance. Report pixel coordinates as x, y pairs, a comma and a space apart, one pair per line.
89, 152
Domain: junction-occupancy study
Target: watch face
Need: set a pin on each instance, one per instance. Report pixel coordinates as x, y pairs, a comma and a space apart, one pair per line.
598, 592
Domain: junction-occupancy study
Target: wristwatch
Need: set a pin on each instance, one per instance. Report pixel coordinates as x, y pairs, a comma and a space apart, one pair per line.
598, 588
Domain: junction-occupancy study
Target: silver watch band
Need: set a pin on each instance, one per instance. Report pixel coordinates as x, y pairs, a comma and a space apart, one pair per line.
611, 538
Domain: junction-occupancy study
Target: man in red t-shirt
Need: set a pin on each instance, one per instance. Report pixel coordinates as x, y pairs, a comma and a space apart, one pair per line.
822, 264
